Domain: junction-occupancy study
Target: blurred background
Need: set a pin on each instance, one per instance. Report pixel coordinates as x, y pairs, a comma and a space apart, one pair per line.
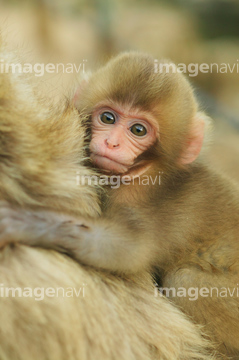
90, 31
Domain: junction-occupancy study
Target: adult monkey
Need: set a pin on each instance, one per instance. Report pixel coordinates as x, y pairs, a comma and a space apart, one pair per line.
187, 226
119, 318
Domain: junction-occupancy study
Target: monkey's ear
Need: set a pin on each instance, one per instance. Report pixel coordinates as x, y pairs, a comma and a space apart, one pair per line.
195, 140
80, 88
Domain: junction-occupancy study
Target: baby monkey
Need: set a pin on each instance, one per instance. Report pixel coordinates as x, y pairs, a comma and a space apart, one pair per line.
145, 123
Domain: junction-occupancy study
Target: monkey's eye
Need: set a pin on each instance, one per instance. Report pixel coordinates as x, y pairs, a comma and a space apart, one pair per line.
138, 130
107, 117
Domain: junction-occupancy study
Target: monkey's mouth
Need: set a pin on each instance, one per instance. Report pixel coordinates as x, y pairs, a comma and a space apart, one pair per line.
108, 164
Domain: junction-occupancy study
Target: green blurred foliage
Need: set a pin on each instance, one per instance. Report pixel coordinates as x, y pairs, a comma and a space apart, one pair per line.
217, 18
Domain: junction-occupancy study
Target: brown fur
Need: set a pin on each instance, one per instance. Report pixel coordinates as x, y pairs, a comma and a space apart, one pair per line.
190, 221
119, 318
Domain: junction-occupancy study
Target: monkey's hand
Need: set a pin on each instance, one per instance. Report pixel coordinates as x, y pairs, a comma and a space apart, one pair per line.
36, 228
101, 243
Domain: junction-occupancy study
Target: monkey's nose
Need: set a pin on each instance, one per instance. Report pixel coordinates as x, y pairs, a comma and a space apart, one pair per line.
111, 144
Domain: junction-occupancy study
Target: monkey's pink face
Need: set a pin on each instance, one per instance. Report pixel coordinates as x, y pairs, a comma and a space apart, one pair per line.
119, 136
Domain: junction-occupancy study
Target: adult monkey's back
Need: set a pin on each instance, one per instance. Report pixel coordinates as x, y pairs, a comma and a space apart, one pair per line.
40, 152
